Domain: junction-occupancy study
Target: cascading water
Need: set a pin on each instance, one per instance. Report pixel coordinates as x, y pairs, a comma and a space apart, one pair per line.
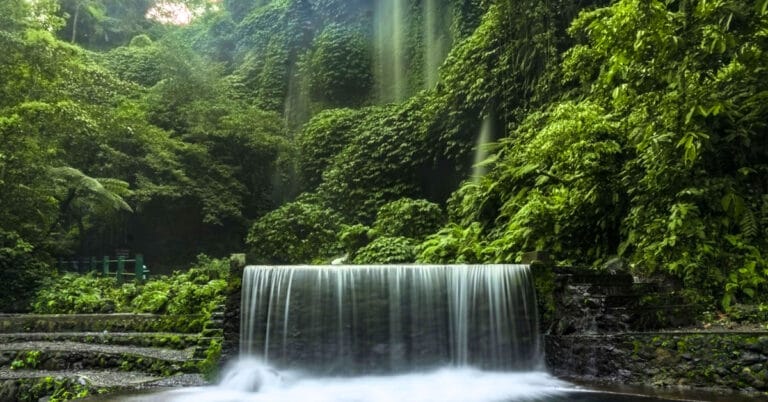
385, 319
437, 39
387, 334
427, 333
390, 30
395, 41
481, 147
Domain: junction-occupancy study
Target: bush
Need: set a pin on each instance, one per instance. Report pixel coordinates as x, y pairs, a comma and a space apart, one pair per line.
453, 245
195, 291
77, 294
153, 297
353, 238
340, 66
298, 232
321, 139
415, 219
387, 250
21, 272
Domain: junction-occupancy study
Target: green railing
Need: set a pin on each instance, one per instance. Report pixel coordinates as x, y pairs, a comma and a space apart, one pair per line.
120, 267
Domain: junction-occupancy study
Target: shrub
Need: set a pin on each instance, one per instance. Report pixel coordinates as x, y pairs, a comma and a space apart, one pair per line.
415, 219
76, 294
340, 65
21, 271
387, 250
197, 290
297, 232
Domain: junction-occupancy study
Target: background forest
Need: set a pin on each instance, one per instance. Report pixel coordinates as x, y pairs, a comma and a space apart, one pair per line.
627, 132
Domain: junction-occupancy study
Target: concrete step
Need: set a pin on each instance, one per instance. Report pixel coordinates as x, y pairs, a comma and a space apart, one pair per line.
97, 378
84, 356
15, 323
170, 340
25, 384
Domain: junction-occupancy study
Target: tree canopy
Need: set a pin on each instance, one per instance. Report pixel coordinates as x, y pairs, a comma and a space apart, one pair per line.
631, 129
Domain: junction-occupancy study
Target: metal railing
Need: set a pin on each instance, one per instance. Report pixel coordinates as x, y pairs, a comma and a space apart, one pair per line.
108, 266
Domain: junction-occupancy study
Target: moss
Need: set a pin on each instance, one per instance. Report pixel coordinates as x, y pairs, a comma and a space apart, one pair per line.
55, 389
544, 283
210, 366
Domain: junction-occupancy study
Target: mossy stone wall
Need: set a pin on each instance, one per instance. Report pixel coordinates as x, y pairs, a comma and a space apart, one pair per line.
15, 323
230, 347
731, 360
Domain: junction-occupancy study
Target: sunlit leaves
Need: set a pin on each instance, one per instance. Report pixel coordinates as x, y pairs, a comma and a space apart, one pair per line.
683, 77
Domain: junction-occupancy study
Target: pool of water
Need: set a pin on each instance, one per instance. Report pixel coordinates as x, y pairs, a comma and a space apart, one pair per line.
252, 381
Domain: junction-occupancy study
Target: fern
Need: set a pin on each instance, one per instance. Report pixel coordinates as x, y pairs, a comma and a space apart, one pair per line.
748, 224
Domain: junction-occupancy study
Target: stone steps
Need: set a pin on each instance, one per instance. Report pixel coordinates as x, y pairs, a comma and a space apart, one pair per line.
102, 352
16, 323
97, 378
36, 384
67, 355
169, 340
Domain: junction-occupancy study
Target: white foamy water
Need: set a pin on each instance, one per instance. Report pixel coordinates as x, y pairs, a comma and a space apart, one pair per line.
252, 381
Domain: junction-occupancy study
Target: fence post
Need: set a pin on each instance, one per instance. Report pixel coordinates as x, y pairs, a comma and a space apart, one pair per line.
138, 269
93, 264
105, 266
120, 268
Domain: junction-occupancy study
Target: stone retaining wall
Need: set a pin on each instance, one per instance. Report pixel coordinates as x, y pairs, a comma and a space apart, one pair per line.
603, 327
230, 347
730, 360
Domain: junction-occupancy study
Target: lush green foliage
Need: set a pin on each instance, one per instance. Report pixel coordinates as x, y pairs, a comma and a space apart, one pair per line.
454, 244
321, 140
56, 389
631, 129
387, 250
297, 232
656, 158
354, 237
399, 226
555, 191
341, 67
198, 290
687, 91
414, 219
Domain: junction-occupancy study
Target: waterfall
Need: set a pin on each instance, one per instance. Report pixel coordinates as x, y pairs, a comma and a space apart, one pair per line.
484, 138
437, 39
296, 109
395, 52
390, 30
390, 319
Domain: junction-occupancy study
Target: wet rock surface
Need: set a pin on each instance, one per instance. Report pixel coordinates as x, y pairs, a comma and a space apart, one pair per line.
608, 329
664, 359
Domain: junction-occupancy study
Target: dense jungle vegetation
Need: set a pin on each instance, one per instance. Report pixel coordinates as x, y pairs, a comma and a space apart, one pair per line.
629, 131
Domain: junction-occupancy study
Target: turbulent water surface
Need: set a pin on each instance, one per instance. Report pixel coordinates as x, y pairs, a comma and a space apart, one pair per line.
252, 381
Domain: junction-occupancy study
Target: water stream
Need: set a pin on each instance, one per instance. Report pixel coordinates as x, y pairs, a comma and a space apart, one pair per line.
356, 320
437, 39
424, 333
484, 139
390, 31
